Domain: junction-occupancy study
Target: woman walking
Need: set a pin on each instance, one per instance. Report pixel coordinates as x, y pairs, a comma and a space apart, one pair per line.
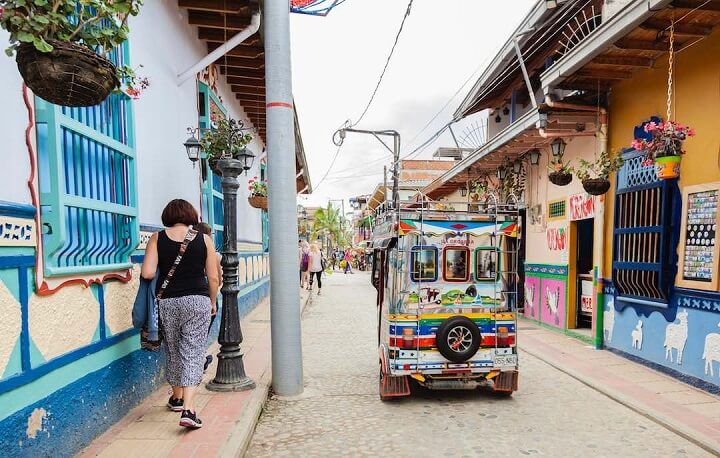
187, 291
304, 259
348, 261
316, 266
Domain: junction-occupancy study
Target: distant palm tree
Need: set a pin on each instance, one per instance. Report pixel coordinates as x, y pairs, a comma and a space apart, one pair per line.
328, 221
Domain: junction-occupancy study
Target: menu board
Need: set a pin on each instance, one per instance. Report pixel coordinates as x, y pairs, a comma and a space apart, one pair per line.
699, 256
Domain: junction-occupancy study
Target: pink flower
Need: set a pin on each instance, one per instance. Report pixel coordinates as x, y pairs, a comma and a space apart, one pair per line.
649, 127
638, 145
249, 188
691, 132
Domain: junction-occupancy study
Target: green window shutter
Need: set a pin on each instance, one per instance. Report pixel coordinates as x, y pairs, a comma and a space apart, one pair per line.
88, 188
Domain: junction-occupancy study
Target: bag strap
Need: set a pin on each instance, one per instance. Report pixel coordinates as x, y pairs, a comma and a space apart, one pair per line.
189, 237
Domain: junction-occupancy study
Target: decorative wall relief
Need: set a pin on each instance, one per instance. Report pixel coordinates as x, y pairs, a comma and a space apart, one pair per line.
16, 231
530, 290
711, 352
637, 336
552, 300
675, 337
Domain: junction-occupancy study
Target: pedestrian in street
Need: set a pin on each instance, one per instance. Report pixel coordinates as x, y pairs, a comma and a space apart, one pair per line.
186, 294
316, 266
204, 228
348, 261
304, 261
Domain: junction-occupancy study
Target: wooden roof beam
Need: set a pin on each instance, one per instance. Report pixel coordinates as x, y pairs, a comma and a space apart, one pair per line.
218, 21
219, 36
226, 6
712, 5
681, 28
640, 45
604, 74
238, 80
624, 61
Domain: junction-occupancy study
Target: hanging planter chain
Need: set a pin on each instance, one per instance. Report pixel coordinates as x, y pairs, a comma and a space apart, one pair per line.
670, 67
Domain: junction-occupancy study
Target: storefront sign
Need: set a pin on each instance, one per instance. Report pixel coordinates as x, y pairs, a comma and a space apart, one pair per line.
582, 206
586, 296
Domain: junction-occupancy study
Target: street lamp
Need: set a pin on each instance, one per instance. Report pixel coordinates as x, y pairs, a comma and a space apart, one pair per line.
534, 157
230, 375
517, 165
339, 137
558, 147
501, 172
193, 146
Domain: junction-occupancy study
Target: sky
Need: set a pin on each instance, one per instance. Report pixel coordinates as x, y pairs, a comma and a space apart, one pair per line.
336, 63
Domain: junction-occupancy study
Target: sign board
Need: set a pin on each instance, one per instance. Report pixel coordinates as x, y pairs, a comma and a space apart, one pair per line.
586, 296
699, 249
582, 206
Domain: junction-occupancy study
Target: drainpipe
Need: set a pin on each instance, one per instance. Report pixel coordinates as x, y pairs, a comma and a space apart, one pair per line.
572, 106
222, 50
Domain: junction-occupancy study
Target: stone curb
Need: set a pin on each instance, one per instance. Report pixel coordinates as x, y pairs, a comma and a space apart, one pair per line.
237, 443
617, 396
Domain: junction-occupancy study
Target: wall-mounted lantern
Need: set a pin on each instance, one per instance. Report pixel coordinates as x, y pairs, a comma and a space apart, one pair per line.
557, 147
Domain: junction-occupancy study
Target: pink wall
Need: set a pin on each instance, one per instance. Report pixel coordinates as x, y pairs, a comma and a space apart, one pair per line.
552, 302
532, 287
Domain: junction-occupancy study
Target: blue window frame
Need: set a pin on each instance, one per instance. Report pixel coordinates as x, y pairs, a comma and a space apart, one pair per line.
643, 251
211, 107
424, 263
87, 181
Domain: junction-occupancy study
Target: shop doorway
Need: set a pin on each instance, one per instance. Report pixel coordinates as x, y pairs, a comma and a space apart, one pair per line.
583, 277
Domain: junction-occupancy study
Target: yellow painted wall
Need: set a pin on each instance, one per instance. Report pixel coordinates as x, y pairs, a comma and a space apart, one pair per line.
696, 103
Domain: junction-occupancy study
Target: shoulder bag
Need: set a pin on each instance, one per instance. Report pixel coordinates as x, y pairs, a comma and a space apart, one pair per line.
154, 345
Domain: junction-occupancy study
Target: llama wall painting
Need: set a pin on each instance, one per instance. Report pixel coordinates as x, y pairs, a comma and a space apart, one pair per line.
675, 337
711, 352
609, 321
637, 336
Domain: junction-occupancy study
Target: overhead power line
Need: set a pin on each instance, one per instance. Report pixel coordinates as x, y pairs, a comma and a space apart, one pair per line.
387, 63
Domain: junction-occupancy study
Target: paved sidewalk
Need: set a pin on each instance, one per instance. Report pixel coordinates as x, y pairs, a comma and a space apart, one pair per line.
692, 413
151, 430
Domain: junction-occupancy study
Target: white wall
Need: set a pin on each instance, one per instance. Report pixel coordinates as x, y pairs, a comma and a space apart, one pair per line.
163, 42
13, 122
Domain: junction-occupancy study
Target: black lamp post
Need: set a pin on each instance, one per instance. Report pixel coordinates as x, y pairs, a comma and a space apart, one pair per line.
230, 375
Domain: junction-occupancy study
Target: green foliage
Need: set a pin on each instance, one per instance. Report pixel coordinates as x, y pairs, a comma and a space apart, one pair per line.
557, 165
99, 25
329, 221
227, 140
602, 167
258, 187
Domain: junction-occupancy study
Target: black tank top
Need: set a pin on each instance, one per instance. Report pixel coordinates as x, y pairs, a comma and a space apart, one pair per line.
189, 278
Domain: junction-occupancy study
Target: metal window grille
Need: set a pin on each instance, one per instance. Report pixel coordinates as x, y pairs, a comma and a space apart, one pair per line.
642, 256
87, 173
556, 209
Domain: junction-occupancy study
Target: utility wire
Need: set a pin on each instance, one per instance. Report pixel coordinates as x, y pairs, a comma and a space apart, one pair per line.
387, 63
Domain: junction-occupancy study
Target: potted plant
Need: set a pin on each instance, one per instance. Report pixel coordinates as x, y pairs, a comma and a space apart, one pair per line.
478, 189
665, 147
258, 193
595, 175
560, 173
60, 46
226, 141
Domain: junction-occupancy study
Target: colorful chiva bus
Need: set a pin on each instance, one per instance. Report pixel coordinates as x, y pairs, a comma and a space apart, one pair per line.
446, 295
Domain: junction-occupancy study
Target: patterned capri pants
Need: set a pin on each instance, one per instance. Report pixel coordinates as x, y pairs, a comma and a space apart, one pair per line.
185, 322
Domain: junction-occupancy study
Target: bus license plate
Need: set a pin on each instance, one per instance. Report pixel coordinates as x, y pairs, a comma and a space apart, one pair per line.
505, 360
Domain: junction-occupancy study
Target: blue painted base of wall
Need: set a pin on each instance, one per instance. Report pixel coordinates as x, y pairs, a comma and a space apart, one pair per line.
689, 379
82, 410
79, 412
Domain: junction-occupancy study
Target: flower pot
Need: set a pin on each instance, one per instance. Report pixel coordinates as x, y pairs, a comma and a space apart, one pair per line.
560, 178
596, 186
258, 202
69, 75
667, 167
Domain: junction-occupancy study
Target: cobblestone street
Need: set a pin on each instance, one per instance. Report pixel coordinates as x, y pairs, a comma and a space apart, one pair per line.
340, 413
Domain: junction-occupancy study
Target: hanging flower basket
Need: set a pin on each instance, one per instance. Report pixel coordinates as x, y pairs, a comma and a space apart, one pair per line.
561, 178
667, 167
260, 202
596, 186
69, 75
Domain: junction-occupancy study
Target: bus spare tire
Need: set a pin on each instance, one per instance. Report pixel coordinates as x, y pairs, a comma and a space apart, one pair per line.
458, 338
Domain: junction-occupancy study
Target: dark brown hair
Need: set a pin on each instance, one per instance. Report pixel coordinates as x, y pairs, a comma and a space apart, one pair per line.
179, 211
203, 228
